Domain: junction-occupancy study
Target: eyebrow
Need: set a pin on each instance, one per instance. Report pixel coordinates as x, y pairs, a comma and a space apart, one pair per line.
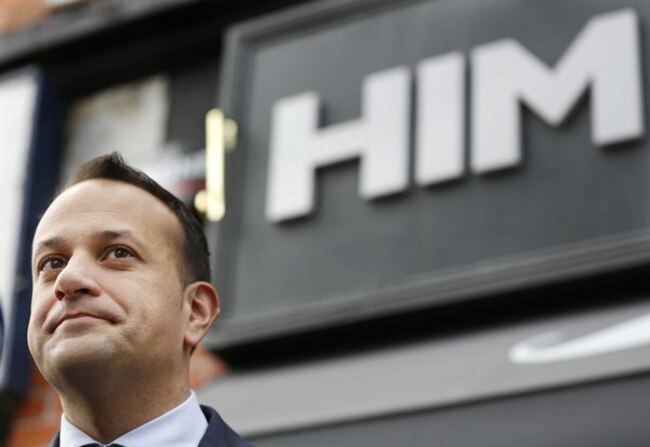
110, 235
105, 235
51, 243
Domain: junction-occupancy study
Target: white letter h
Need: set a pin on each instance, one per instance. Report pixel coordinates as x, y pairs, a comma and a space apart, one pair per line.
380, 138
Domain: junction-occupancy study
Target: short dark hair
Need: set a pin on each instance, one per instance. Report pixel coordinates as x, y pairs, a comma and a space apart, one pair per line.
194, 248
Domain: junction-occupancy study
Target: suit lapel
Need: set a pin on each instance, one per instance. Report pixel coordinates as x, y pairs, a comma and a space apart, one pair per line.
218, 433
55, 441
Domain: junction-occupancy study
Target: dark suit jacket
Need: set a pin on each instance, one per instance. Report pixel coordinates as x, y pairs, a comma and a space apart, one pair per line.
218, 433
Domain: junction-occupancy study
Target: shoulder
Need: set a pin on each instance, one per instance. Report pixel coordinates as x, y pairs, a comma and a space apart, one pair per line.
55, 441
219, 433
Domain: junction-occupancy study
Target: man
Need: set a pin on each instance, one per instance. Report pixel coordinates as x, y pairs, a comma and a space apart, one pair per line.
121, 297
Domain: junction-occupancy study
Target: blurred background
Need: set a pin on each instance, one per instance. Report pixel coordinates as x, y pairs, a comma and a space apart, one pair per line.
437, 226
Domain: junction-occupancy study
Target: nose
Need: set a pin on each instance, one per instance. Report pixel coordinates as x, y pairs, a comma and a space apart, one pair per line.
76, 279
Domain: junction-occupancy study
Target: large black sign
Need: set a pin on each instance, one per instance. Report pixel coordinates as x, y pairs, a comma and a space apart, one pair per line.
396, 155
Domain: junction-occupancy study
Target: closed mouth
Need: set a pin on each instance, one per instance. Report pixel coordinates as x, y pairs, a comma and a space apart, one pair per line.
72, 316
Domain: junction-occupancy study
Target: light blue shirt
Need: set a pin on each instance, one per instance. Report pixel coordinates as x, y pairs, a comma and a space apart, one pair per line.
183, 426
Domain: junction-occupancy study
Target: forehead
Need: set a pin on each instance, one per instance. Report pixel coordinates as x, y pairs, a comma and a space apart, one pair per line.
98, 204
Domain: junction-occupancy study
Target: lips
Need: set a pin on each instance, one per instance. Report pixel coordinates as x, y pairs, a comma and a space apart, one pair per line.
74, 315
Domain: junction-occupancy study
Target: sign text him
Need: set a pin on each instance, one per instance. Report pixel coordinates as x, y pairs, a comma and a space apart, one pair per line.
604, 58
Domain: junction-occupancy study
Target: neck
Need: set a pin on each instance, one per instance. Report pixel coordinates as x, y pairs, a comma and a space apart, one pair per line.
121, 406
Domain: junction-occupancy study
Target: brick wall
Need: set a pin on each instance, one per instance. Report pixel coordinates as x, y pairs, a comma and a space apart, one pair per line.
17, 14
38, 417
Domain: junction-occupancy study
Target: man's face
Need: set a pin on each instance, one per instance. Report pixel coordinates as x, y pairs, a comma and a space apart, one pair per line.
106, 286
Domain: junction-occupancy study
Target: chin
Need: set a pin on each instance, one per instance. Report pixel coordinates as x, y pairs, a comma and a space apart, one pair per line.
77, 360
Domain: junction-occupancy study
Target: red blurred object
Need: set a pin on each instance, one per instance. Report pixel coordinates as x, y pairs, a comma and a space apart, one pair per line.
18, 14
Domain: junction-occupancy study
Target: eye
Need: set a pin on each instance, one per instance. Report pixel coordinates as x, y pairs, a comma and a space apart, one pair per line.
119, 252
51, 263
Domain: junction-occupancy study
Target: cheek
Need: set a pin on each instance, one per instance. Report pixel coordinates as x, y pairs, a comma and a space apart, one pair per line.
34, 336
166, 284
39, 307
142, 298
38, 314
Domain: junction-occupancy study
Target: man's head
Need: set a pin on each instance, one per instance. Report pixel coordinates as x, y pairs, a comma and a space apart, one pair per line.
120, 270
193, 250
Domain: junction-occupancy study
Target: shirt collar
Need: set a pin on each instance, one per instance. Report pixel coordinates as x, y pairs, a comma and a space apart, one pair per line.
182, 426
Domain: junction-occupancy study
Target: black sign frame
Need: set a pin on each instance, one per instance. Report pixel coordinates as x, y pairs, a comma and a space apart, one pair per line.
456, 285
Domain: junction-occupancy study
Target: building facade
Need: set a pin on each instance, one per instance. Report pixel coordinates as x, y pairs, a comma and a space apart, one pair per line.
435, 228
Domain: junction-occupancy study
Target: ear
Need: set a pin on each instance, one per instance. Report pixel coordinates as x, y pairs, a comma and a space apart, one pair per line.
203, 304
